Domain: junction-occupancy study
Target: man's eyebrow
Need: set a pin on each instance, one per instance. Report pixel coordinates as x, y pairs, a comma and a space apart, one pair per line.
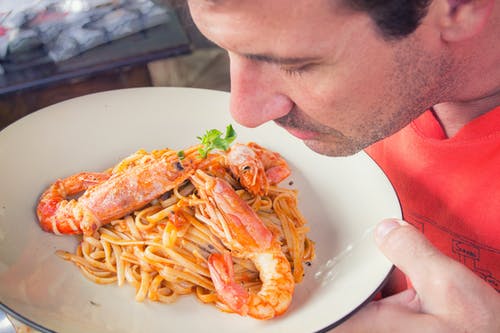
279, 60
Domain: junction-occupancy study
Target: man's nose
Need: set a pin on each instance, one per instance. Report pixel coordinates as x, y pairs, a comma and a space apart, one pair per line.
255, 93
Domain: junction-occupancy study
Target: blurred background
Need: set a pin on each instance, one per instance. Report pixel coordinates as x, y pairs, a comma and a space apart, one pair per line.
53, 50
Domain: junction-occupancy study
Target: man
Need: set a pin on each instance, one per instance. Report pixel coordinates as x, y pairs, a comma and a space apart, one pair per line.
342, 75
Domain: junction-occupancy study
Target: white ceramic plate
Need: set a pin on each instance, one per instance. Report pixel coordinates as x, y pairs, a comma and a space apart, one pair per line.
342, 198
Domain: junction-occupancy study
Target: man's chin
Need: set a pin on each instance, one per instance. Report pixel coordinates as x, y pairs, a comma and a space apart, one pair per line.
331, 149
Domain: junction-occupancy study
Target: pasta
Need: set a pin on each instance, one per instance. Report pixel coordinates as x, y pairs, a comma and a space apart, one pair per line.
162, 248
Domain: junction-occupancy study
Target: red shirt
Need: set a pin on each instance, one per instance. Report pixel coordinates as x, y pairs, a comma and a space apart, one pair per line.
449, 188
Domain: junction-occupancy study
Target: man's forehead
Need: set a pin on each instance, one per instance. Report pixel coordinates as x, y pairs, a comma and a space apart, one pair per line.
268, 30
279, 14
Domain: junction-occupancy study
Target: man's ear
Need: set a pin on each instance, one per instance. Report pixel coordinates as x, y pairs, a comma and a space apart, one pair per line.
463, 19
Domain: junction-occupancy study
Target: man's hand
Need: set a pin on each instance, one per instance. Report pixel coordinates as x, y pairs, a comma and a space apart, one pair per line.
447, 296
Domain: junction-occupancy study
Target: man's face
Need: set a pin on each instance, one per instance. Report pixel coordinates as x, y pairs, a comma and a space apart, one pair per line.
320, 71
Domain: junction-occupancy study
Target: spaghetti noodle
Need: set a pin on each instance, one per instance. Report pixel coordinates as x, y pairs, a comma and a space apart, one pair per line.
162, 249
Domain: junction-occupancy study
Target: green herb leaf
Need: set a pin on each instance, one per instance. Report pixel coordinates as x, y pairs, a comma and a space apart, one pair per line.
213, 140
181, 154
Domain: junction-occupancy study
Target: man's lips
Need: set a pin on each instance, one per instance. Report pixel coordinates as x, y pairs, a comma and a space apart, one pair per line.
302, 134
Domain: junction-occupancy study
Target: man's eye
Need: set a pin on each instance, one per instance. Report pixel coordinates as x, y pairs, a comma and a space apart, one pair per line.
295, 71
292, 71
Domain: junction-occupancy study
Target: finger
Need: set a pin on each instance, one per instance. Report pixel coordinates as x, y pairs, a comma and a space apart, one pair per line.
382, 317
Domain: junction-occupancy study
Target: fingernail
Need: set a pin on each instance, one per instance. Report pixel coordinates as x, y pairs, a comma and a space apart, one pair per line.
386, 226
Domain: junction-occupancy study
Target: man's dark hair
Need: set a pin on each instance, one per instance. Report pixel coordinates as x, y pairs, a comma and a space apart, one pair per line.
394, 18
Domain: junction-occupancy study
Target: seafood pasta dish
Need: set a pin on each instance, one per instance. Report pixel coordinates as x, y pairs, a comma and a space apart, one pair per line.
210, 220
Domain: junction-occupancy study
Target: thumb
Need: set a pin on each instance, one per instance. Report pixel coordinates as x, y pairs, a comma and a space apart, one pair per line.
412, 253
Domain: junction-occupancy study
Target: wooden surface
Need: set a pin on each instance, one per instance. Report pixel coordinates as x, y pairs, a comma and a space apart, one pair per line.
18, 104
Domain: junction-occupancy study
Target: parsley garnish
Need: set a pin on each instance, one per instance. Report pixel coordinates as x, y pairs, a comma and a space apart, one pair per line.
213, 140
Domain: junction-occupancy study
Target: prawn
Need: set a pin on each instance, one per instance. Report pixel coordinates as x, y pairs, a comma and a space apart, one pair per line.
256, 167
110, 195
245, 234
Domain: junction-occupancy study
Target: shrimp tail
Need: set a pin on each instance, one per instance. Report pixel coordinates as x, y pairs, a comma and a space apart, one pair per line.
230, 292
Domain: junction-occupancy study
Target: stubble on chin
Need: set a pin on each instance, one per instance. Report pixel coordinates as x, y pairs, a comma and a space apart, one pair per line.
334, 149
